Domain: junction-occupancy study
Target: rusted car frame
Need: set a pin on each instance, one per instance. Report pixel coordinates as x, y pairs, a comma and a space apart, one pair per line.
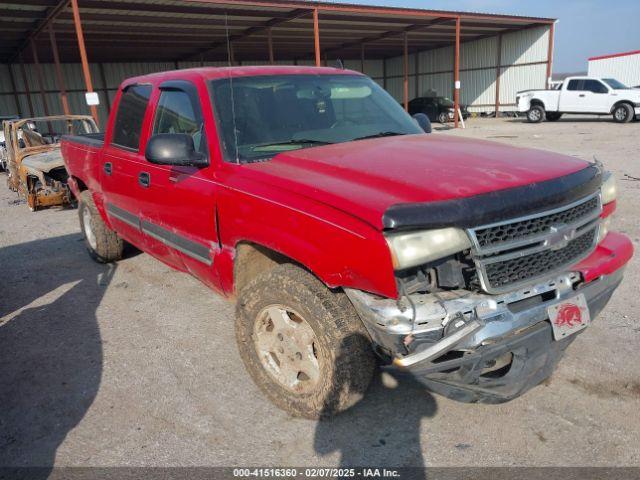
34, 163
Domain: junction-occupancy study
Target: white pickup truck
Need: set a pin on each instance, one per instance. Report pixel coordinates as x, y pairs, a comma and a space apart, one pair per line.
581, 95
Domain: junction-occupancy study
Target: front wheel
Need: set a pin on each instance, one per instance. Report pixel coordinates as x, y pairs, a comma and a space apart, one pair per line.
103, 244
303, 344
443, 117
623, 113
535, 114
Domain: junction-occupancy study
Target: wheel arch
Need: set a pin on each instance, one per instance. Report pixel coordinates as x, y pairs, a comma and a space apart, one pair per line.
622, 102
536, 102
252, 259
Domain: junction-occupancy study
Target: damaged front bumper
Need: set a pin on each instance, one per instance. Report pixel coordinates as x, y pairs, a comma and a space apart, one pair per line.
473, 346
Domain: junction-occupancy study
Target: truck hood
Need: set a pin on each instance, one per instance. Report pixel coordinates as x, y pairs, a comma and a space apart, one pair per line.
364, 178
44, 161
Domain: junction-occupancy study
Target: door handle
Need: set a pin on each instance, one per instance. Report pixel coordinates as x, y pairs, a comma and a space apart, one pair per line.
144, 179
581, 95
108, 168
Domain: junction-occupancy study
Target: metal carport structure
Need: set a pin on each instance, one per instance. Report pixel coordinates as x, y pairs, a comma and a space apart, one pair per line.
183, 33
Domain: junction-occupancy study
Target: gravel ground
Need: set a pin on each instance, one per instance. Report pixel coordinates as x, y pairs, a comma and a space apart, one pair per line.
135, 364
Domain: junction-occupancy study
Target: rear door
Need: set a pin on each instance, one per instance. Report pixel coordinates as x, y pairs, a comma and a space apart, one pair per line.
571, 96
122, 162
180, 213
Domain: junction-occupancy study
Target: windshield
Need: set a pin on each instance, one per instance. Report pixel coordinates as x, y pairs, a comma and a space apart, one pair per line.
271, 114
615, 84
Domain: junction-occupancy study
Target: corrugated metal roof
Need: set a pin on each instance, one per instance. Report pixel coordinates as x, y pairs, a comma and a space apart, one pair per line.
183, 30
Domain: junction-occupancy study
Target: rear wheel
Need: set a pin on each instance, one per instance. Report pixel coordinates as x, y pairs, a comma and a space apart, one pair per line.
623, 113
103, 244
535, 114
553, 116
303, 344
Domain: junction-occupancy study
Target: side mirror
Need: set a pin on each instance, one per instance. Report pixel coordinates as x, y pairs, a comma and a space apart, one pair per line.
423, 122
174, 149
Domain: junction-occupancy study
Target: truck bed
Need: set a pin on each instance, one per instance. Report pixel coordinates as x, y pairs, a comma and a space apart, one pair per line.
81, 154
95, 140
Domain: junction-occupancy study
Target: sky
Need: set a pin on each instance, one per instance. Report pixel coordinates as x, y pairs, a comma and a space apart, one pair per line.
586, 28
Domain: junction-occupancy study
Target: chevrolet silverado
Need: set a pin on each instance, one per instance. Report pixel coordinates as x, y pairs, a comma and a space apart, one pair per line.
349, 236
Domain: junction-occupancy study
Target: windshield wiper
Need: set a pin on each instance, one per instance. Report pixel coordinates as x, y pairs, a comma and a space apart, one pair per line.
379, 134
301, 141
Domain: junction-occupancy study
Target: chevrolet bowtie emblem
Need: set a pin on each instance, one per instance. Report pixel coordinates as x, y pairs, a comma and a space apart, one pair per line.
559, 236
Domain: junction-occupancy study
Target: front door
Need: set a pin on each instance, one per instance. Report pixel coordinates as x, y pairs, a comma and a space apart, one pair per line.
180, 214
584, 95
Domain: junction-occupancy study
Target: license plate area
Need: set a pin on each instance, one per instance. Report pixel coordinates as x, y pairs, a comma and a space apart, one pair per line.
569, 316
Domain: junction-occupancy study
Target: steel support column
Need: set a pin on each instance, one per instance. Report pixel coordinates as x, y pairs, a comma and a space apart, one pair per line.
456, 76
59, 75
498, 71
316, 36
362, 58
550, 55
25, 82
405, 72
83, 56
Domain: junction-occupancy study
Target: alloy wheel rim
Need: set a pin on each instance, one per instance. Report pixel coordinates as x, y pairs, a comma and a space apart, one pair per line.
286, 346
620, 114
88, 231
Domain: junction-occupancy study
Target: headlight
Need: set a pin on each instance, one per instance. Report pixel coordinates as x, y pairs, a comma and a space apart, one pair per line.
416, 248
609, 188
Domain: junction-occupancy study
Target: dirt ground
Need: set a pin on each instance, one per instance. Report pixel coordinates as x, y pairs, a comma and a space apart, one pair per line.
135, 364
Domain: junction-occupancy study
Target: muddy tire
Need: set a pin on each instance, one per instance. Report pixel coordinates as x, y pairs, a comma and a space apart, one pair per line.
623, 113
103, 244
303, 344
535, 114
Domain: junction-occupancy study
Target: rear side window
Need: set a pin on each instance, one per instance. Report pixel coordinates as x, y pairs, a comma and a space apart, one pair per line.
128, 123
575, 85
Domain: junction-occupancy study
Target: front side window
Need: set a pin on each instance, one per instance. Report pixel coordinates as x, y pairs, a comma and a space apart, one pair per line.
177, 113
259, 117
595, 86
128, 123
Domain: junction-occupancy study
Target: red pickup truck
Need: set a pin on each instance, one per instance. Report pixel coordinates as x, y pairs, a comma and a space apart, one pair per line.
348, 235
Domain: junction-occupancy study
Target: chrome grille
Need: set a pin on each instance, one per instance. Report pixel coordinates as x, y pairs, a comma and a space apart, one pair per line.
504, 273
511, 253
534, 226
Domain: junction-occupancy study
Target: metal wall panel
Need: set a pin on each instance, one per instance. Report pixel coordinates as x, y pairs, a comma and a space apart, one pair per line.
625, 69
478, 66
516, 78
439, 60
479, 54
479, 88
440, 83
373, 68
525, 46
5, 79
